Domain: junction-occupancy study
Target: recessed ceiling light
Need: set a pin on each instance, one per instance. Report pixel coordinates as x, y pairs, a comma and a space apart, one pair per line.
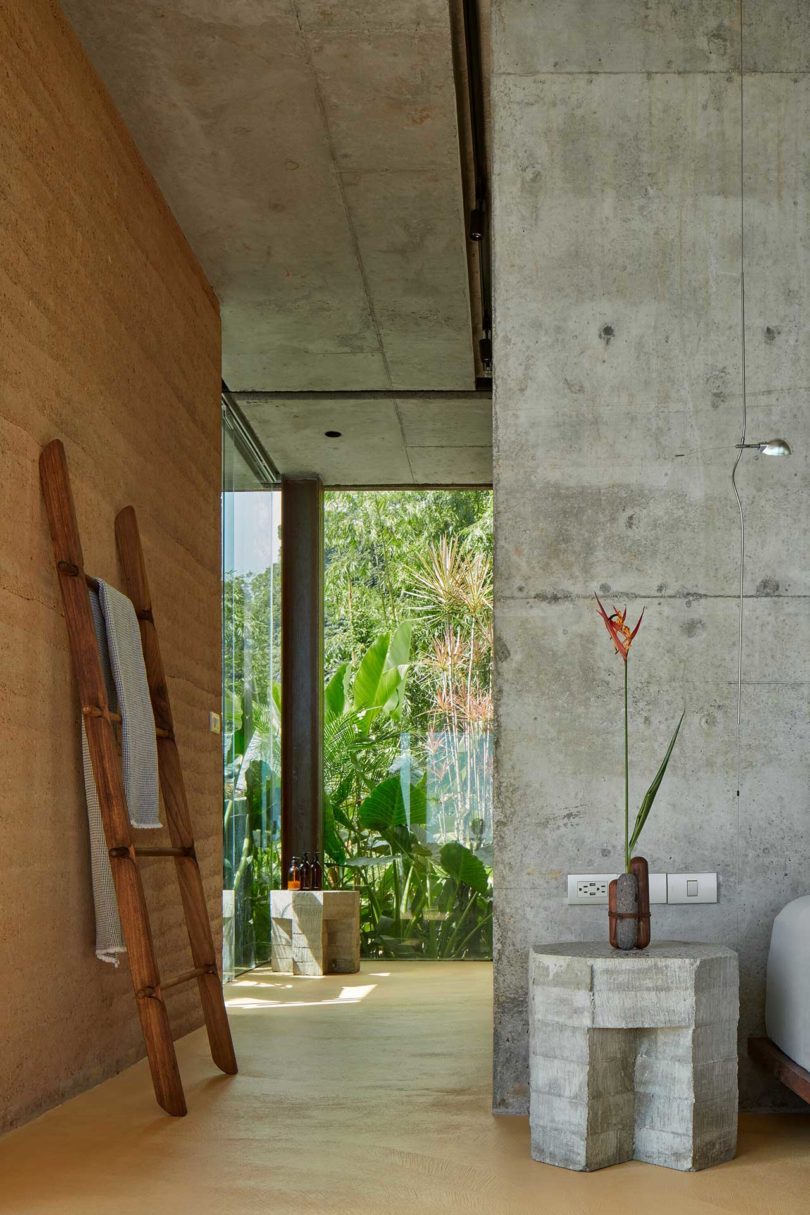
333, 434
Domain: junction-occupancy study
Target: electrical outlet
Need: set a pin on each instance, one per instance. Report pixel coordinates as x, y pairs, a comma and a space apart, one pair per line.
589, 888
592, 888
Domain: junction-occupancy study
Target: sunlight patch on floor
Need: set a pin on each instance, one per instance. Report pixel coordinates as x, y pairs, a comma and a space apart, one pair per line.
347, 995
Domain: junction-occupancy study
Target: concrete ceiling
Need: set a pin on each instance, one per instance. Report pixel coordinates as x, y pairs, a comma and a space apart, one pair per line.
310, 151
421, 439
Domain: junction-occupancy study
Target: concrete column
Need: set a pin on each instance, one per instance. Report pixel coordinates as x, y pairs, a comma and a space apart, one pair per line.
301, 667
619, 245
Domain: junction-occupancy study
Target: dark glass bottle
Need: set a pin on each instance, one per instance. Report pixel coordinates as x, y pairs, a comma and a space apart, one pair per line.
306, 873
316, 872
294, 875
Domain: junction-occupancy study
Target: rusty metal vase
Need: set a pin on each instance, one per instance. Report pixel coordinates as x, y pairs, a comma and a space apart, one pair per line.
641, 869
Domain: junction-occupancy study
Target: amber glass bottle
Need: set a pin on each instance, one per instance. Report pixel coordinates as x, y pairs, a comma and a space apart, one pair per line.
316, 872
306, 873
294, 875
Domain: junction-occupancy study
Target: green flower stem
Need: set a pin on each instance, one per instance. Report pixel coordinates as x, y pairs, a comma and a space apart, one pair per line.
626, 774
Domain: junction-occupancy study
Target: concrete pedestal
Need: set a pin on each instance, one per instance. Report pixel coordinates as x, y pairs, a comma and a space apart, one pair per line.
315, 932
633, 1055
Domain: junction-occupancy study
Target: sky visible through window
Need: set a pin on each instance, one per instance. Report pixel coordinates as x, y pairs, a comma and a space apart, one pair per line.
252, 543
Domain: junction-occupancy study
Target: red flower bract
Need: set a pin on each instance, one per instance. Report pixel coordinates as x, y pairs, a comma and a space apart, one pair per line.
620, 632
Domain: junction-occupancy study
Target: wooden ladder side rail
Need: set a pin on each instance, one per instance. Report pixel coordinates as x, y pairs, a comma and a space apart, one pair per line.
103, 747
172, 786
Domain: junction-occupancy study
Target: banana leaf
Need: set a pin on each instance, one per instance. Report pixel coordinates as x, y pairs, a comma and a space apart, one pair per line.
379, 683
334, 695
369, 672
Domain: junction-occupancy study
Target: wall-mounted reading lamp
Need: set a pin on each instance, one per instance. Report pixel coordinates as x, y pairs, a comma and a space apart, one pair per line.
770, 447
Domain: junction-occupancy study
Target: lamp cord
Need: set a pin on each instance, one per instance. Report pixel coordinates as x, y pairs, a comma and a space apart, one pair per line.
744, 406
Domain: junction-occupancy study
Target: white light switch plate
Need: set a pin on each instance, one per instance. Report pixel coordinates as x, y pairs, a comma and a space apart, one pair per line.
658, 888
691, 887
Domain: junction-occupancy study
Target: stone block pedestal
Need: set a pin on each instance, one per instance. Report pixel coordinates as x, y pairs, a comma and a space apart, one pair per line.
315, 932
633, 1055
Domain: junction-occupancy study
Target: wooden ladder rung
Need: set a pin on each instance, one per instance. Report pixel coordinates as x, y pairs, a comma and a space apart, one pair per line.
124, 851
196, 973
187, 976
111, 715
166, 851
153, 993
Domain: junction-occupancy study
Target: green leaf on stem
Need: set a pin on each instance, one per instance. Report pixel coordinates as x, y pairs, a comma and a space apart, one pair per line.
649, 796
464, 866
389, 806
335, 692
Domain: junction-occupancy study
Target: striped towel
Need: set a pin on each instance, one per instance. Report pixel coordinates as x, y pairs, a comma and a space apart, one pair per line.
119, 645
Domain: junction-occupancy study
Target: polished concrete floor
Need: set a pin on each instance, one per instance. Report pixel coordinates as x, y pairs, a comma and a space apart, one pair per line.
361, 1095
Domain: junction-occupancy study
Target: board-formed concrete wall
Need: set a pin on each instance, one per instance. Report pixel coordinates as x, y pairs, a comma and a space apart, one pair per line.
619, 244
109, 340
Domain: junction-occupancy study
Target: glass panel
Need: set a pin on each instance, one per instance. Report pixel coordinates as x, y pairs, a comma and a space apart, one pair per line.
251, 518
408, 717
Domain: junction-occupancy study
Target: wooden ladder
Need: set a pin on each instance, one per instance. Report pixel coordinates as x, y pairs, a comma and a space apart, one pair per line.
103, 746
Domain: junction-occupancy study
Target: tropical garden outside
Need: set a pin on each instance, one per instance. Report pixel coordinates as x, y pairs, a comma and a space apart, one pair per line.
407, 719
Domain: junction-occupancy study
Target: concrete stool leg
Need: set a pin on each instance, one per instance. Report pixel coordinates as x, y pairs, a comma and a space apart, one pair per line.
686, 1096
281, 945
582, 1106
309, 935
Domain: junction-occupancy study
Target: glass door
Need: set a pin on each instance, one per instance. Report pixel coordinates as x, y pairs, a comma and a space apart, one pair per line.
251, 519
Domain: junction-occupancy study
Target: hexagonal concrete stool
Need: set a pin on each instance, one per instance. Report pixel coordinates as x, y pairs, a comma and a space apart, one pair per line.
633, 1055
315, 932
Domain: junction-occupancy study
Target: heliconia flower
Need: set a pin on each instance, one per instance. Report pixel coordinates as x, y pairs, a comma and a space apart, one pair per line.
620, 632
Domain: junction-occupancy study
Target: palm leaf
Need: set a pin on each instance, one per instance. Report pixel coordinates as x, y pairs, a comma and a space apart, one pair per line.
332, 843
649, 796
343, 738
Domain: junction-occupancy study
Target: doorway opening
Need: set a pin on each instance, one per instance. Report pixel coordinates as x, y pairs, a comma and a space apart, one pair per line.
407, 715
408, 737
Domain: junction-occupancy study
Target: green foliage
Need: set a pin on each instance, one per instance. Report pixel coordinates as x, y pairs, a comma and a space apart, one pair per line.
465, 867
388, 805
373, 542
379, 685
407, 725
334, 696
419, 897
251, 838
